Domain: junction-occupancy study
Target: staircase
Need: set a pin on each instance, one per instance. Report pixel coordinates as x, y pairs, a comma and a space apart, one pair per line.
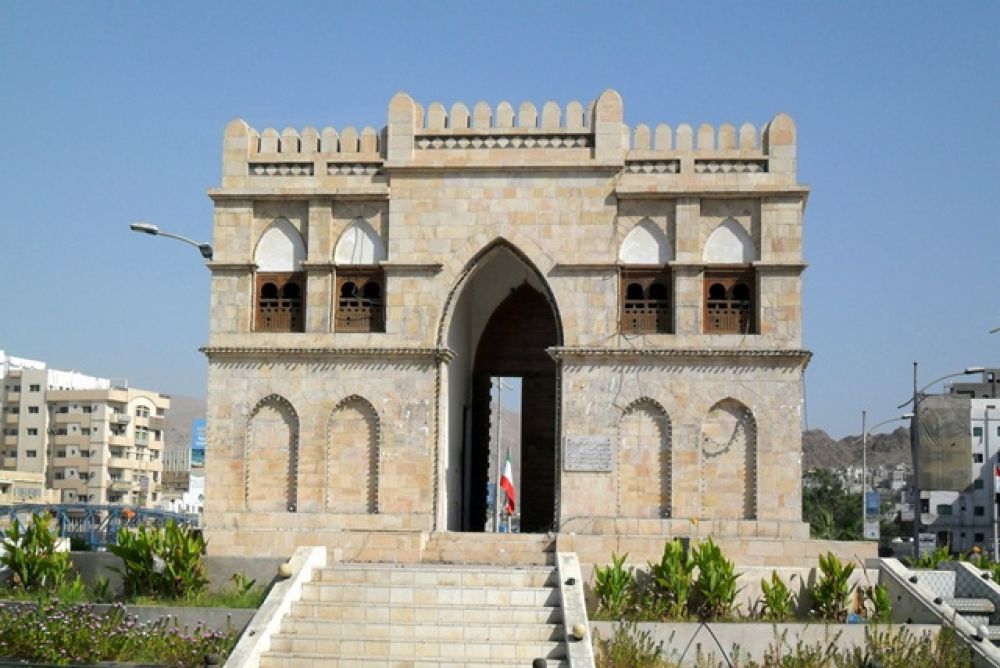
955, 594
476, 600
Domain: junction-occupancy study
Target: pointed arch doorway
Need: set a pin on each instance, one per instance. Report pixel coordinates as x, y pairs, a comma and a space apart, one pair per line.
502, 321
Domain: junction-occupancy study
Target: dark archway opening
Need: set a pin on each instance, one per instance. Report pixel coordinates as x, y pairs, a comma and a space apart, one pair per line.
514, 343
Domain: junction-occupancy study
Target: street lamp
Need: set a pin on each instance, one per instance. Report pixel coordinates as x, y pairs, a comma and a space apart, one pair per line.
149, 228
864, 458
917, 397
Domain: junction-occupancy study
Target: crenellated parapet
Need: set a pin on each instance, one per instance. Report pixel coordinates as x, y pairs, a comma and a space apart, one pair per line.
550, 136
249, 154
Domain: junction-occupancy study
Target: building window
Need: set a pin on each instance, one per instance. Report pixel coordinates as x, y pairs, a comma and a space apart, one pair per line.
142, 411
360, 300
84, 431
729, 302
58, 475
977, 458
979, 538
977, 431
33, 409
60, 453
978, 483
280, 302
979, 511
31, 454
14, 410
943, 509
32, 431
88, 409
63, 409
34, 388
645, 301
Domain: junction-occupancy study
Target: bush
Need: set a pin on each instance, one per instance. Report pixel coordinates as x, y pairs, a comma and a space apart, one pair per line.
777, 601
614, 587
714, 592
629, 647
830, 595
61, 634
162, 561
30, 554
670, 582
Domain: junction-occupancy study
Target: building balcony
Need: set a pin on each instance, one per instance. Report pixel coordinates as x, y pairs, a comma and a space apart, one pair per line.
13, 397
10, 440
157, 423
120, 463
64, 418
73, 483
118, 439
71, 460
11, 418
120, 486
121, 418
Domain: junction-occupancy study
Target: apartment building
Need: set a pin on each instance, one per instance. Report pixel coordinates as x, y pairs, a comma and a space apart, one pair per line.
92, 441
964, 519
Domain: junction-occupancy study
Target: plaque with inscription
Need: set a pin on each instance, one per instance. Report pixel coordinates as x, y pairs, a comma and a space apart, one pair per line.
588, 453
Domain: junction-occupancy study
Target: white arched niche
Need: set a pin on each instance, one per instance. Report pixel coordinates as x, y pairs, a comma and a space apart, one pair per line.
730, 244
646, 244
359, 244
280, 248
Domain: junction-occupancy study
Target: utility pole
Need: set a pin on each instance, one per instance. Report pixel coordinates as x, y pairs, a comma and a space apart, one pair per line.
915, 449
993, 484
864, 472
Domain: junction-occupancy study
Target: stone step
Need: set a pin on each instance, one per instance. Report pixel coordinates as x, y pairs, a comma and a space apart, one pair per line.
490, 548
421, 631
286, 660
471, 614
971, 605
994, 633
422, 574
375, 649
429, 594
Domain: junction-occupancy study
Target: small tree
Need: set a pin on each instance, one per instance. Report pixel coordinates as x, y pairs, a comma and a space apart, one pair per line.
30, 554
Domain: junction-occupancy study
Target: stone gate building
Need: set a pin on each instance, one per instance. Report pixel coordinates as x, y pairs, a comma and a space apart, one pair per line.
644, 283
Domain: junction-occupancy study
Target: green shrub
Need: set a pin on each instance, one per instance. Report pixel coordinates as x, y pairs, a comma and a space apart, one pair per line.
615, 587
30, 554
670, 582
162, 561
629, 647
60, 634
777, 601
714, 592
830, 595
879, 603
930, 559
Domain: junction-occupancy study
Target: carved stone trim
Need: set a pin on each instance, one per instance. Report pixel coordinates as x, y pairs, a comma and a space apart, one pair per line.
291, 493
669, 166
281, 168
724, 166
504, 141
795, 356
243, 352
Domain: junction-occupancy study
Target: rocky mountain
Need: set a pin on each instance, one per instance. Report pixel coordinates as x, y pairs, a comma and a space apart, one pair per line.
183, 410
819, 450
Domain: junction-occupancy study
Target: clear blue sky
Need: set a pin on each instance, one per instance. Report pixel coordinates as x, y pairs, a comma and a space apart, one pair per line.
113, 112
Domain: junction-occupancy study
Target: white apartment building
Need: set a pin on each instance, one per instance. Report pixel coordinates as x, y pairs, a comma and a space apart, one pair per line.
965, 519
93, 442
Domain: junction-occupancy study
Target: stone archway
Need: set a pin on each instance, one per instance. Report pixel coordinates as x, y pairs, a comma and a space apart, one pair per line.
502, 323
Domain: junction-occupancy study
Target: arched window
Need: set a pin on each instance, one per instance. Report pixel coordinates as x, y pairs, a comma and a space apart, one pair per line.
279, 310
360, 307
360, 279
645, 301
645, 280
280, 280
730, 285
729, 301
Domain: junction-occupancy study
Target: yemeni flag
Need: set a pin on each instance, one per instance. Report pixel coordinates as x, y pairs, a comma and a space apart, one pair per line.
507, 484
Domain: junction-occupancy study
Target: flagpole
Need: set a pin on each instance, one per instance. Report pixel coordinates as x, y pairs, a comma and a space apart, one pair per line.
496, 483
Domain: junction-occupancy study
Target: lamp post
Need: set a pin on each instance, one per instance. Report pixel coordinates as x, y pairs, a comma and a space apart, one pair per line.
864, 459
149, 228
915, 442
